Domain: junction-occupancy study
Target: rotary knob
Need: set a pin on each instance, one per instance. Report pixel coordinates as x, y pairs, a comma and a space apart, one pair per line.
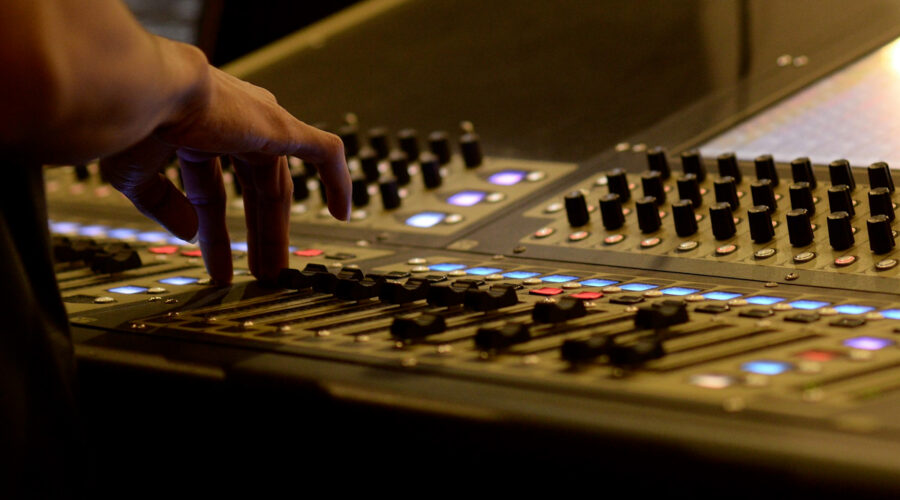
611, 211
390, 194
691, 163
431, 171
881, 238
647, 214
728, 167
653, 186
840, 233
839, 172
408, 140
657, 161
617, 182
726, 192
360, 193
576, 209
470, 147
880, 176
800, 230
880, 203
400, 167
802, 171
801, 197
765, 169
689, 189
839, 199
762, 194
301, 190
439, 145
378, 139
349, 137
760, 220
368, 160
722, 221
684, 219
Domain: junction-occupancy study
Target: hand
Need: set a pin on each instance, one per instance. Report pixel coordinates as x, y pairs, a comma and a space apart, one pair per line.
236, 118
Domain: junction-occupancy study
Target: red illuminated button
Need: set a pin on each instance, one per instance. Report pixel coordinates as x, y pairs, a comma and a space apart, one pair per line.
586, 295
309, 252
578, 236
846, 260
546, 291
543, 232
191, 253
166, 250
613, 239
819, 355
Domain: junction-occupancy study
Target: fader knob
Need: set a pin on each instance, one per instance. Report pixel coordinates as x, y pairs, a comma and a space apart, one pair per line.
400, 167
301, 190
368, 160
653, 186
880, 176
801, 197
657, 161
431, 171
839, 199
617, 182
349, 137
728, 167
881, 239
840, 233
440, 146
691, 163
471, 149
726, 192
408, 140
839, 172
765, 169
761, 193
611, 211
378, 139
689, 189
800, 231
802, 171
576, 209
684, 219
722, 221
760, 220
647, 214
880, 203
390, 194
360, 192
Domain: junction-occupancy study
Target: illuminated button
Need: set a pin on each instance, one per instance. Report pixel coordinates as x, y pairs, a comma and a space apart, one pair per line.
446, 267
721, 295
152, 236
766, 367
419, 269
737, 302
122, 233
598, 282
818, 355
456, 273
483, 271
532, 281
64, 227
601, 181
558, 278
845, 260
309, 252
587, 295
764, 300
853, 309
726, 249
92, 231
679, 291
885, 264
764, 253
611, 289
652, 294
546, 291
494, 277
104, 300
712, 380
535, 176
453, 219
781, 307
179, 280
192, 253
578, 236
808, 305
425, 219
156, 289
543, 232
638, 287
128, 290
495, 197
507, 177
687, 246
891, 313
804, 257
466, 198
868, 343
554, 207
239, 246
694, 298
613, 239
520, 275
571, 285
164, 250
650, 242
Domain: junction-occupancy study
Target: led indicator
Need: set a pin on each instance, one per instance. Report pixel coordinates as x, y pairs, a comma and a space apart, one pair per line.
239, 246
446, 267
638, 287
92, 231
721, 296
128, 290
818, 355
891, 313
868, 343
507, 177
179, 280
679, 291
853, 309
520, 275
558, 278
764, 300
122, 233
483, 271
712, 380
598, 282
808, 305
425, 219
308, 252
466, 198
152, 236
766, 367
64, 227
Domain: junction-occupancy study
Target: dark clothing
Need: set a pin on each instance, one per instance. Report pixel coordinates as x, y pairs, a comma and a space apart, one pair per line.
38, 436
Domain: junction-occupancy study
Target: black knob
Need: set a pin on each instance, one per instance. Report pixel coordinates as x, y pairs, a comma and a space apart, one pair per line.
765, 169
653, 186
490, 300
657, 161
839, 172
611, 211
576, 209
360, 194
762, 194
641, 351
400, 167
800, 230
647, 214
802, 171
301, 190
350, 138
408, 140
839, 199
722, 221
880, 203
689, 189
448, 294
580, 350
439, 145
661, 315
403, 293
501, 337
692, 163
378, 139
881, 238
390, 194
356, 289
412, 326
471, 149
801, 197
880, 176
431, 171
617, 182
726, 192
111, 261
81, 172
728, 167
368, 160
840, 233
684, 218
760, 220
556, 312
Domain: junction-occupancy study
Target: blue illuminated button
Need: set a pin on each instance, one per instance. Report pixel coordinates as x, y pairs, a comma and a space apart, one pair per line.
128, 290
852, 309
598, 282
122, 233
239, 246
722, 296
764, 300
466, 198
425, 219
174, 240
520, 275
868, 343
808, 304
638, 287
677, 290
446, 267
152, 236
891, 313
766, 367
92, 231
179, 280
507, 177
558, 278
483, 271
64, 227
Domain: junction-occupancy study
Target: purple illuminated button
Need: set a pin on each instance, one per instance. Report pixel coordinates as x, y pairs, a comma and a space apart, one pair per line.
466, 198
868, 343
507, 177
